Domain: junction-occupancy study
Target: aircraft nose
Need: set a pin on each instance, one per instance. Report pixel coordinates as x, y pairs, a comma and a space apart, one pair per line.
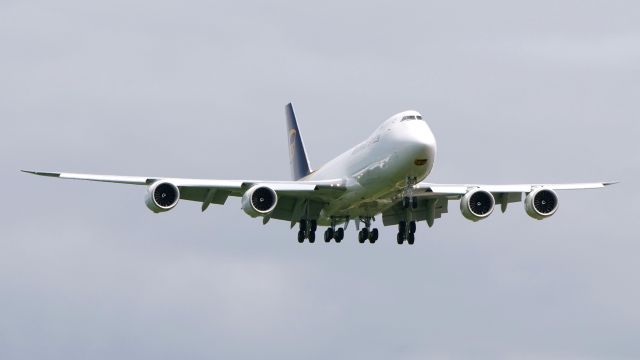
423, 143
425, 148
416, 141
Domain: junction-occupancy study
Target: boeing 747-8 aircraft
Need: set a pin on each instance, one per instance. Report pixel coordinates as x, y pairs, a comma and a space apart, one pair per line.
384, 175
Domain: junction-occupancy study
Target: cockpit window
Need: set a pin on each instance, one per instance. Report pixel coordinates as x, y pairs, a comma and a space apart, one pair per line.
411, 117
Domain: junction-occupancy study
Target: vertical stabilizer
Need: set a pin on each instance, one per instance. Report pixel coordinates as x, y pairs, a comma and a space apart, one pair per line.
297, 154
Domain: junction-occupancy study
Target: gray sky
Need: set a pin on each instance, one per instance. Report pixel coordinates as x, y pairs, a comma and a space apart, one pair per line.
543, 91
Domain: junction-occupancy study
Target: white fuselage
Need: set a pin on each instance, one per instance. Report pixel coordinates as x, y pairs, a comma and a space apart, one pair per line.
401, 148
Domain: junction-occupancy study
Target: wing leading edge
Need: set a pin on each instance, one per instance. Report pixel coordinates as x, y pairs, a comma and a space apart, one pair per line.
202, 189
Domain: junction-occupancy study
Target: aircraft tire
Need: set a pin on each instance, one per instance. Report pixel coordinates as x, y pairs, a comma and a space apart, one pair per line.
411, 238
373, 236
402, 226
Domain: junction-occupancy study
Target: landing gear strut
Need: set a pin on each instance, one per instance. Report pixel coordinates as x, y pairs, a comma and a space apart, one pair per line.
367, 233
409, 201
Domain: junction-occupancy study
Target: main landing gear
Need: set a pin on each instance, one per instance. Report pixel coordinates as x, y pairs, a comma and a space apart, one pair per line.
367, 233
333, 233
307, 231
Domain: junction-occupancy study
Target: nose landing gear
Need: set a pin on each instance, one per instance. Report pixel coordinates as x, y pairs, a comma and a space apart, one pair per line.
407, 227
409, 201
406, 232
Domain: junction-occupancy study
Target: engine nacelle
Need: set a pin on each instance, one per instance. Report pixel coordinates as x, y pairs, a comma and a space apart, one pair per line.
477, 204
259, 201
541, 203
162, 196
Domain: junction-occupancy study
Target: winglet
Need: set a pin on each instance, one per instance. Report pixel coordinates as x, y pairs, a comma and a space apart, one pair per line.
610, 183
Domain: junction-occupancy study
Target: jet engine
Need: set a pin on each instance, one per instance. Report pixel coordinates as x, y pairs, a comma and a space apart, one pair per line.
259, 201
162, 196
477, 204
541, 203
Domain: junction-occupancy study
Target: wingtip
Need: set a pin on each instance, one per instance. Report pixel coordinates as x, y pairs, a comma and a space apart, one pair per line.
610, 183
41, 173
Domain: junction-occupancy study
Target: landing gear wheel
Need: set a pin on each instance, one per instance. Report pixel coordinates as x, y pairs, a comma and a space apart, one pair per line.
361, 237
411, 238
339, 235
328, 235
312, 237
373, 236
365, 233
300, 236
412, 227
400, 238
402, 227
314, 225
303, 225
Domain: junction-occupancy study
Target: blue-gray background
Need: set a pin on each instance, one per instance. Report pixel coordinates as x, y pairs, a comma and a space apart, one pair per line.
543, 91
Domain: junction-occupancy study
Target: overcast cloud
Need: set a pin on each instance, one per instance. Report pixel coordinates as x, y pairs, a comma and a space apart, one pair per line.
539, 91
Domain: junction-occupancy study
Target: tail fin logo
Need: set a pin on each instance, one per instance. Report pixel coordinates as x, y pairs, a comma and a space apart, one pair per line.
292, 143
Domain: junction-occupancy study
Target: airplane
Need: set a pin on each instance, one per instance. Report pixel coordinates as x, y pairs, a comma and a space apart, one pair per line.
383, 176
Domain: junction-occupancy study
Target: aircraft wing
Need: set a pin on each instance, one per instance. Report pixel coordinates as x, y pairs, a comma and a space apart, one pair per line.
291, 193
461, 189
503, 194
433, 198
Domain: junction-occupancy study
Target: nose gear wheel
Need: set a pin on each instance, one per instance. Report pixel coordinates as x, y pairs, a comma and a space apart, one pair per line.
406, 231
